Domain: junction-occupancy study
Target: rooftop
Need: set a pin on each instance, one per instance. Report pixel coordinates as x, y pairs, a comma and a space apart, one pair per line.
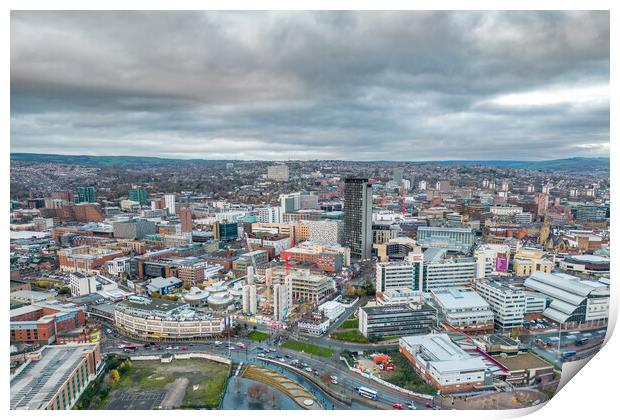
458, 298
33, 386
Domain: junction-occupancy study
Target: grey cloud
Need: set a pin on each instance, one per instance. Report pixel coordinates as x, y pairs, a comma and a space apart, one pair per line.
272, 85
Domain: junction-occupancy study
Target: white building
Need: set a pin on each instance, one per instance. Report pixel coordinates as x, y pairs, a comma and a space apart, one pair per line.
396, 275
81, 284
523, 218
315, 327
440, 271
464, 309
249, 299
505, 210
278, 172
507, 303
448, 367
170, 203
118, 266
399, 296
572, 300
535, 303
269, 215
332, 309
325, 231
491, 259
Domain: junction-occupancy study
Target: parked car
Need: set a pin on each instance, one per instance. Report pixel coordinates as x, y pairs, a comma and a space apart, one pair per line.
397, 406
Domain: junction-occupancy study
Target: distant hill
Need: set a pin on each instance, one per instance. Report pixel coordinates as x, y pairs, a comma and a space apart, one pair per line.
111, 161
575, 164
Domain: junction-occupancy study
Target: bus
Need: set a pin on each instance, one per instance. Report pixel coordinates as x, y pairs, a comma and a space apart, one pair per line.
129, 347
568, 354
371, 394
581, 341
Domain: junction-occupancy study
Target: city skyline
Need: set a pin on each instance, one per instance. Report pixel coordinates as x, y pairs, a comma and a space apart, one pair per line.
319, 85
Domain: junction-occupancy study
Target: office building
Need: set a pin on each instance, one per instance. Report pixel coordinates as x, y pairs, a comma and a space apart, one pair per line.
358, 217
590, 213
450, 238
440, 271
395, 320
81, 284
133, 229
464, 310
225, 231
396, 275
324, 231
491, 259
185, 214
507, 303
54, 377
139, 195
163, 286
332, 309
85, 195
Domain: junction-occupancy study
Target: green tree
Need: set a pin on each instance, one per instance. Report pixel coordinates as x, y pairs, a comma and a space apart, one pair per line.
115, 375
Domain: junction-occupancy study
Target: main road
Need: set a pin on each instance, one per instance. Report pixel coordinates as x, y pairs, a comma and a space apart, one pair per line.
347, 380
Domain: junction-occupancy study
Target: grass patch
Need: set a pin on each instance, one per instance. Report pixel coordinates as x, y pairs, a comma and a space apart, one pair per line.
258, 336
308, 348
405, 376
350, 323
207, 380
353, 336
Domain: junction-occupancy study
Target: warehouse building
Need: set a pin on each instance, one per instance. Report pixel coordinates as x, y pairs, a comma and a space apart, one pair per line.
571, 299
55, 377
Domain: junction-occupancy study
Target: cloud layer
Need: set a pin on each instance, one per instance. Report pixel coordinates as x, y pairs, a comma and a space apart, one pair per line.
311, 85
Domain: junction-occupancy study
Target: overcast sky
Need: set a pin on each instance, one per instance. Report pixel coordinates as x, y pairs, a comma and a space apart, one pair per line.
316, 85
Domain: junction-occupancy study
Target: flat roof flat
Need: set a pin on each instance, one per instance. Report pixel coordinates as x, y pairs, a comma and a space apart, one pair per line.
35, 384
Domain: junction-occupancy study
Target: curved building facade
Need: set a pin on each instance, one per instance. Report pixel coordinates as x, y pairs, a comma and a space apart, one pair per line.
157, 319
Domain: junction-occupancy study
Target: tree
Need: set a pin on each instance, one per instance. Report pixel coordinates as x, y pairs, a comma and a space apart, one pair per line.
64, 291
115, 375
155, 295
